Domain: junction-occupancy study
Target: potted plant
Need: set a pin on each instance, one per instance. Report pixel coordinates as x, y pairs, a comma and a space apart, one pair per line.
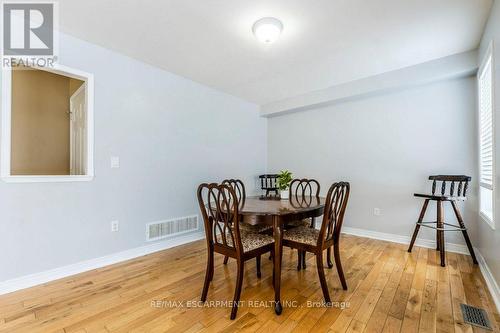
283, 182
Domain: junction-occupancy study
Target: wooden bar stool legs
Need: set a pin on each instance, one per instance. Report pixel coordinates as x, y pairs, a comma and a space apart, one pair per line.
439, 212
440, 232
417, 226
440, 229
464, 231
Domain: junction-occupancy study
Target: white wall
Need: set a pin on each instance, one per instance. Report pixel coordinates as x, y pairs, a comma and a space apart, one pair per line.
488, 240
385, 146
170, 134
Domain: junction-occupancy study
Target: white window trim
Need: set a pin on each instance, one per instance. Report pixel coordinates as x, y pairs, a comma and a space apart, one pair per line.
5, 149
488, 55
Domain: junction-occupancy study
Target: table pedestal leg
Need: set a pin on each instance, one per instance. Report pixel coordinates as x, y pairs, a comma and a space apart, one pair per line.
278, 236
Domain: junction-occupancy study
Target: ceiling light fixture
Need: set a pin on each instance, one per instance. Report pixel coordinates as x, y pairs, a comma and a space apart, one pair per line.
267, 30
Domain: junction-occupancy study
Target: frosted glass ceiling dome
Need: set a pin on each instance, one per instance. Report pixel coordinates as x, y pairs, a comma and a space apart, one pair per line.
267, 30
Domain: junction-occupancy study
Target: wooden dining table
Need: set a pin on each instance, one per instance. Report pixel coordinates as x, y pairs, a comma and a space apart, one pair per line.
277, 213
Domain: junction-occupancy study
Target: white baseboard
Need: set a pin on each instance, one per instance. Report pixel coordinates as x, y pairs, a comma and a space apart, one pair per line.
489, 278
427, 243
87, 265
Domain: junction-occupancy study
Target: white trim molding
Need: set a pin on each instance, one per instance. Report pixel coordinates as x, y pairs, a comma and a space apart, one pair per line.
427, 243
491, 283
87, 265
5, 147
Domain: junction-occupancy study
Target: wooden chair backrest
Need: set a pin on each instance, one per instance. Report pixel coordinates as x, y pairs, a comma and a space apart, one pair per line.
333, 216
462, 181
219, 208
239, 189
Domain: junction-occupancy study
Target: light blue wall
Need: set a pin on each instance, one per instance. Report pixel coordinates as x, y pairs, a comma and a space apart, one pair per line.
170, 134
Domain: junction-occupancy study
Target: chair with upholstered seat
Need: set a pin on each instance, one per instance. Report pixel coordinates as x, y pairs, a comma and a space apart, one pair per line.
239, 188
302, 192
307, 239
219, 208
459, 182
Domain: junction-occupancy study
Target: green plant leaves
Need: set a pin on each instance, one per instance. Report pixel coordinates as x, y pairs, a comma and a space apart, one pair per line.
284, 179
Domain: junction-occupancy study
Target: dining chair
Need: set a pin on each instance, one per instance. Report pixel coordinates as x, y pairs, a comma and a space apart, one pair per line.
269, 183
301, 192
219, 208
239, 188
316, 241
439, 225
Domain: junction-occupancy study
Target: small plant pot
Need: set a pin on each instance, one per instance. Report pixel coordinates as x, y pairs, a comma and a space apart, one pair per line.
284, 194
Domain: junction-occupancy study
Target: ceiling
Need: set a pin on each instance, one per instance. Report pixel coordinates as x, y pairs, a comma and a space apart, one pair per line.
324, 42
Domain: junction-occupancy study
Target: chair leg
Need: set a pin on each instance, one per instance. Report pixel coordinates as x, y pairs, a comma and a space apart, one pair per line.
464, 232
304, 259
257, 262
440, 233
414, 237
237, 290
438, 238
299, 260
313, 222
209, 274
272, 256
340, 271
322, 279
212, 267
281, 258
417, 227
225, 260
329, 257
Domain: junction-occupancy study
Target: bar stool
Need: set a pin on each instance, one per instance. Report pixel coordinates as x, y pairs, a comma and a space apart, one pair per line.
463, 183
269, 183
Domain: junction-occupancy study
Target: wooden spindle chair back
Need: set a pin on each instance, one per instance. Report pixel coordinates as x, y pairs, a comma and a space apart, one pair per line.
458, 183
269, 183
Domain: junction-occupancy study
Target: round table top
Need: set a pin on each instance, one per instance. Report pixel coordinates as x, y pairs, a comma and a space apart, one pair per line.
295, 205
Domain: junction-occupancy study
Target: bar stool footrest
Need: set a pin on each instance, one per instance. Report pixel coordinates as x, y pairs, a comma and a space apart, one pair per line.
453, 226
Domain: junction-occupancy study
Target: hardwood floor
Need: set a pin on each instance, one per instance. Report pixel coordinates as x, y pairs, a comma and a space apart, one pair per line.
390, 290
